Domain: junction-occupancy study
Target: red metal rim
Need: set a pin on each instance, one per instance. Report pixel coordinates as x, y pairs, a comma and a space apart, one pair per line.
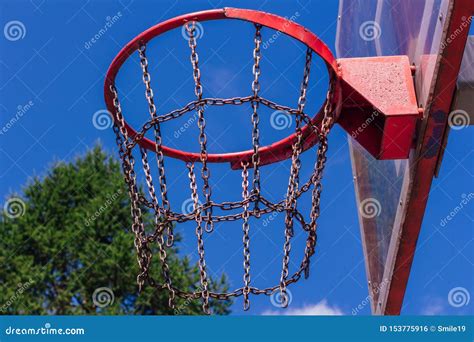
277, 151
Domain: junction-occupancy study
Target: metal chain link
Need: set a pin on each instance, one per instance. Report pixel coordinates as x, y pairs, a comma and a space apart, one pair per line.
158, 141
203, 213
143, 252
205, 172
257, 55
326, 125
202, 260
293, 185
246, 238
215, 102
159, 227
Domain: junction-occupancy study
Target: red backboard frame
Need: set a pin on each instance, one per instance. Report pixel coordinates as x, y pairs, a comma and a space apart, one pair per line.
429, 149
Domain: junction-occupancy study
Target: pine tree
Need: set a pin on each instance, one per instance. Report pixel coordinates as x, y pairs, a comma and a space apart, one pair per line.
69, 250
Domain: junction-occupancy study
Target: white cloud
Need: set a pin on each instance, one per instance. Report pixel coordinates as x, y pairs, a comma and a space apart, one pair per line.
434, 307
320, 309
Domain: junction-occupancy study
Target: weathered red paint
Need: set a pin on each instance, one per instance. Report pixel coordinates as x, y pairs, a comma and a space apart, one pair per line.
268, 154
429, 145
392, 137
379, 107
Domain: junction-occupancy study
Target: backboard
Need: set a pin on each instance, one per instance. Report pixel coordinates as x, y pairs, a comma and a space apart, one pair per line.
392, 194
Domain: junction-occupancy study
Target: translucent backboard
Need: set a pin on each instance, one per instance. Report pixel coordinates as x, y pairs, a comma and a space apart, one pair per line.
391, 194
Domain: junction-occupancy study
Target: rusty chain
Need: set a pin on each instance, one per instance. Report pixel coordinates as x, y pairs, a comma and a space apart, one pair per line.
159, 224
202, 260
257, 56
128, 162
146, 77
236, 101
246, 238
202, 214
291, 195
205, 172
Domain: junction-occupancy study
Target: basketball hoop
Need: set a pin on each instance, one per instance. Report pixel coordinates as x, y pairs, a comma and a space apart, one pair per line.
310, 130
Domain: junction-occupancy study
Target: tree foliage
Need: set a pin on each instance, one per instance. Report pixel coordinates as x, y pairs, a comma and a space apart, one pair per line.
74, 240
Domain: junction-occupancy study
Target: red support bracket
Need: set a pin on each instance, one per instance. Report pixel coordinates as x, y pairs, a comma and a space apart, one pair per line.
379, 108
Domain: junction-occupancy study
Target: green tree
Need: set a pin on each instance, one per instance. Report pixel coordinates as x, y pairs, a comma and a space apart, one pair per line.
74, 238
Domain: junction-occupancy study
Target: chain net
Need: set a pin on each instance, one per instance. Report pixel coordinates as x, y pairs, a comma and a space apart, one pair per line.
252, 204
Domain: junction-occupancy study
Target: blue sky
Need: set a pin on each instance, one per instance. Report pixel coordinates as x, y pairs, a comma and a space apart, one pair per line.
57, 72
